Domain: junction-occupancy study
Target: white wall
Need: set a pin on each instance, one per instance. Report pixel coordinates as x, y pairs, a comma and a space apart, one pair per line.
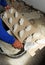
39, 4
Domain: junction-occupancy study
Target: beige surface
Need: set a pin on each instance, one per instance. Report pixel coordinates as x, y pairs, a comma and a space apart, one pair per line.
16, 20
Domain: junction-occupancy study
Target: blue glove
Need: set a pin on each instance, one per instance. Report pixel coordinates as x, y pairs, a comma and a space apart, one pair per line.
3, 3
4, 36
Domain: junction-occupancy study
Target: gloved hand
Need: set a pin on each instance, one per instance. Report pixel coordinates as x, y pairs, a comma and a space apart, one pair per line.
7, 7
17, 44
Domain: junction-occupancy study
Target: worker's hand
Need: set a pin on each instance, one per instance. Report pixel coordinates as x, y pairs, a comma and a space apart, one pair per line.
12, 0
17, 44
7, 7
